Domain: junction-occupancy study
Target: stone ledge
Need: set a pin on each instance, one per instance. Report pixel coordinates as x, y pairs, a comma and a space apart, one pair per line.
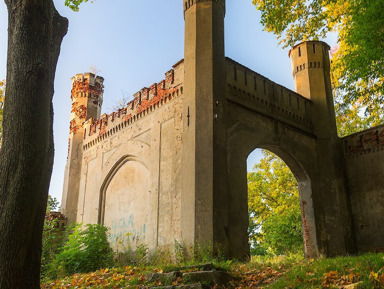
198, 279
190, 286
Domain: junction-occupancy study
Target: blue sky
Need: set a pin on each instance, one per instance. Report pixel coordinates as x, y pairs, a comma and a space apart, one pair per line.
133, 43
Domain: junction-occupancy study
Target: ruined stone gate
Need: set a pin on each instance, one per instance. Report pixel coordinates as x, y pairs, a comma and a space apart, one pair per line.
171, 165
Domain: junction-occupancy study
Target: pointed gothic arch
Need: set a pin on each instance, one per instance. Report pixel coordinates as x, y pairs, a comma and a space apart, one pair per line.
124, 203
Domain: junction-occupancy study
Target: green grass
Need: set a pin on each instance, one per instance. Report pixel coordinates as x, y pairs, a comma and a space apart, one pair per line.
261, 272
332, 272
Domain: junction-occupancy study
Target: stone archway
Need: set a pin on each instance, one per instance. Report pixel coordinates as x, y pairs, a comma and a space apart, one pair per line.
305, 198
296, 154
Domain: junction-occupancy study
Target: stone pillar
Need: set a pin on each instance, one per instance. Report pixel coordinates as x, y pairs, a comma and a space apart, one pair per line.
87, 98
204, 209
311, 72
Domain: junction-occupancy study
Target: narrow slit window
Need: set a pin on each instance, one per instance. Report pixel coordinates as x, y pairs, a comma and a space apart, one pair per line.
245, 78
265, 87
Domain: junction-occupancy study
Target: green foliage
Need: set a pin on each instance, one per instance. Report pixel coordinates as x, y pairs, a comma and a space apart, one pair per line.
133, 256
331, 272
84, 251
351, 118
137, 255
365, 271
274, 208
74, 4
295, 19
52, 204
357, 61
282, 233
52, 241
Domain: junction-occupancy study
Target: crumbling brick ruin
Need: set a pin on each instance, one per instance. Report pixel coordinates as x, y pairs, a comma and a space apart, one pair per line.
171, 165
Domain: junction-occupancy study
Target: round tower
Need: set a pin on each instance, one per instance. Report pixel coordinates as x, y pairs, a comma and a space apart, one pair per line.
311, 73
87, 98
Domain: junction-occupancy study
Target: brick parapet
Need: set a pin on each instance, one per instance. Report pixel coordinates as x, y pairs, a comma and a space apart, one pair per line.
144, 102
367, 141
87, 84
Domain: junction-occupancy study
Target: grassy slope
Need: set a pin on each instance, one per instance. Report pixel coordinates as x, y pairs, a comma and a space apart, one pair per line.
365, 270
279, 272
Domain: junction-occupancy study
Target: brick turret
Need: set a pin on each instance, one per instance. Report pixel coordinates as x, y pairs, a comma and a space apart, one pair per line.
87, 98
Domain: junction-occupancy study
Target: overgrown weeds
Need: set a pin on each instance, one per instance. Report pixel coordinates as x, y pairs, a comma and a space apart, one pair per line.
86, 249
82, 249
75, 250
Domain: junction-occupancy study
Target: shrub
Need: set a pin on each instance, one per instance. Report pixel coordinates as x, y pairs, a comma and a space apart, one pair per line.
52, 241
84, 251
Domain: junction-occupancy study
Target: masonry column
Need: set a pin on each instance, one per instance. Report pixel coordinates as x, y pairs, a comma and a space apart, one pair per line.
311, 71
87, 98
204, 199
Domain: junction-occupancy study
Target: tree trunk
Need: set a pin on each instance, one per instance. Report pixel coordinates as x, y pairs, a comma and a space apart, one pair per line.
35, 32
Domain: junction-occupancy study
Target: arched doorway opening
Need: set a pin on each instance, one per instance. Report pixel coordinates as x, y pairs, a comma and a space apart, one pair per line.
281, 217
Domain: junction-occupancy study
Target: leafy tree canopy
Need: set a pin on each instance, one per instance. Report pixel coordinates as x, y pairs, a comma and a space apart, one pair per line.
274, 208
52, 204
358, 59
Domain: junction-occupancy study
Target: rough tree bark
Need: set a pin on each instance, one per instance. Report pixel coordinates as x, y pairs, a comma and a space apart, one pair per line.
35, 33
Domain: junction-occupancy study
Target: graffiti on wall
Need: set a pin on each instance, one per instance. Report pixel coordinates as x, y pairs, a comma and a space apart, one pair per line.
124, 231
364, 142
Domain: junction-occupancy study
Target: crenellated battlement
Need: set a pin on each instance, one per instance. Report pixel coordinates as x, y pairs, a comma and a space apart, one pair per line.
87, 98
87, 84
145, 101
189, 3
308, 55
261, 94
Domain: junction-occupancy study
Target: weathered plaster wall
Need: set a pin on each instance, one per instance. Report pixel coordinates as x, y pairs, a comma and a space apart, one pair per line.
130, 177
364, 163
